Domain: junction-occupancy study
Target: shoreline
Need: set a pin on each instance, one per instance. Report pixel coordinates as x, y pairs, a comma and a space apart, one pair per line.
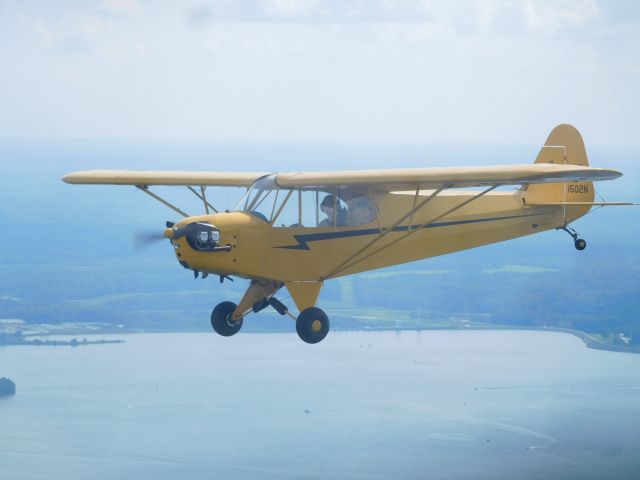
74, 342
594, 343
587, 339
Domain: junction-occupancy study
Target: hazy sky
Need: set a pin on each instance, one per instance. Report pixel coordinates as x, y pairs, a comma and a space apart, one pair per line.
378, 70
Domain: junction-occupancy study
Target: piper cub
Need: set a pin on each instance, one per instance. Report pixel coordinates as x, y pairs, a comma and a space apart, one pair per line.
297, 230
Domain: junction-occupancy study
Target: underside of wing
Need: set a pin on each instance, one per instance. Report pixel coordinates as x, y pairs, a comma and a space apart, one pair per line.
163, 177
450, 177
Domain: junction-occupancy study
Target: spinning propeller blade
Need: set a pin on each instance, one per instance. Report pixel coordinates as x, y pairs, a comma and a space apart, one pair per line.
149, 237
145, 239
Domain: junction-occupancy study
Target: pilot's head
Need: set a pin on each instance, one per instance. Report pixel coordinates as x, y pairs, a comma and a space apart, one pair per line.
327, 205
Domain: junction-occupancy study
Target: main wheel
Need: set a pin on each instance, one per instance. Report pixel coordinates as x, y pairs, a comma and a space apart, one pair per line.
312, 325
221, 319
580, 244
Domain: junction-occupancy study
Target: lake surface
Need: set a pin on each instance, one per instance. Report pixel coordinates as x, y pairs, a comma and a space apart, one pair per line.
431, 404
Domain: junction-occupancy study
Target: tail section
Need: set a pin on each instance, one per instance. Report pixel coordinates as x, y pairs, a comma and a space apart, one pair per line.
564, 146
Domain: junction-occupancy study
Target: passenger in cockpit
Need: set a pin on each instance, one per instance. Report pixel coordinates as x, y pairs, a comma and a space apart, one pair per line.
361, 210
329, 202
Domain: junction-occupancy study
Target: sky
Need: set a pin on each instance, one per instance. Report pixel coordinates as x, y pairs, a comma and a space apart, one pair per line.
475, 71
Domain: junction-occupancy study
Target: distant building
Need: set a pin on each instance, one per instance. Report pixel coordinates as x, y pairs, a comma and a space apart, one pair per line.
11, 325
624, 338
11, 322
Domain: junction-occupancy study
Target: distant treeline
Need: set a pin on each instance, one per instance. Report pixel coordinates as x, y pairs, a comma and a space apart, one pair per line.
593, 292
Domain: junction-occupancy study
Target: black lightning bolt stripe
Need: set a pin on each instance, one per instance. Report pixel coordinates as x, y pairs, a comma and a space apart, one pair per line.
305, 238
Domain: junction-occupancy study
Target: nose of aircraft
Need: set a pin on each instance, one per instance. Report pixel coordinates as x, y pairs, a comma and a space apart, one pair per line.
173, 232
200, 235
168, 232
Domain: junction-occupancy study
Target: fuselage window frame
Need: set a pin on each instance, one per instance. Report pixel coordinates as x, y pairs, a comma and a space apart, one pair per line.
351, 207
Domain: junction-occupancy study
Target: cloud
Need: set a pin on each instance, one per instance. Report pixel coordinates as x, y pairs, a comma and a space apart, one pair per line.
292, 8
91, 24
75, 34
121, 7
549, 17
350, 69
465, 17
307, 11
136, 49
225, 11
44, 32
75, 31
200, 16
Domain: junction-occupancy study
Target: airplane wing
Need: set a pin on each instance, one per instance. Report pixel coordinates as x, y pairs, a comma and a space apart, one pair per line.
387, 179
451, 177
146, 178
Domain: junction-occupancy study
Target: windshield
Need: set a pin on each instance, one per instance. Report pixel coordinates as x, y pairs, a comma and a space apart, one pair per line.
260, 199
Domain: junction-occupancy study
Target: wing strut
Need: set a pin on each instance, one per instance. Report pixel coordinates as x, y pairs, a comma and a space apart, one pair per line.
384, 232
145, 189
203, 197
353, 260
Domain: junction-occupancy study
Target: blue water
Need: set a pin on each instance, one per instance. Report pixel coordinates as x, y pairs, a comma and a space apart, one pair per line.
491, 404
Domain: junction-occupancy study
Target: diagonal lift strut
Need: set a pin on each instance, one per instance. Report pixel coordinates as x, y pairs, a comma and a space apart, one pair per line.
354, 260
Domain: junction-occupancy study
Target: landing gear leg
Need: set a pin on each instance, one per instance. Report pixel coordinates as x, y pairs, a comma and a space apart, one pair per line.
579, 243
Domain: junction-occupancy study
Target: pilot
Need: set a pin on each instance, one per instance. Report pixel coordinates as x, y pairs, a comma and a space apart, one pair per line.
327, 206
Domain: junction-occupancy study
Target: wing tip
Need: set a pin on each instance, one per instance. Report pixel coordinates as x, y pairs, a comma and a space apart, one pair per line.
75, 178
69, 178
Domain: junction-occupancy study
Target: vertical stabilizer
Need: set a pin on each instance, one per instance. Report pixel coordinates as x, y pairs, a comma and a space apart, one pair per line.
564, 146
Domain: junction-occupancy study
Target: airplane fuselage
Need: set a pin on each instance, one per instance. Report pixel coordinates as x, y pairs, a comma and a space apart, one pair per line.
258, 249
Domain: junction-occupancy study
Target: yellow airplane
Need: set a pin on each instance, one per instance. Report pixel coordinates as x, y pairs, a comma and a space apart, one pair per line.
299, 229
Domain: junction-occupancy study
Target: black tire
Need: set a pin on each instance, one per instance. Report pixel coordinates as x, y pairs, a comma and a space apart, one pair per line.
580, 244
221, 319
312, 325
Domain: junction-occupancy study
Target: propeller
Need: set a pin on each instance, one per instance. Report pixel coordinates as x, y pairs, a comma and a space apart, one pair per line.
147, 238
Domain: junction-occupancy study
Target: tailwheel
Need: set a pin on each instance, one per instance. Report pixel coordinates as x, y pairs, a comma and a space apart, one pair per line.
312, 325
221, 319
579, 243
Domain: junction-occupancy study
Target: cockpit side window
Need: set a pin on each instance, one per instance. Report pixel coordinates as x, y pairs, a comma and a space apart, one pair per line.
289, 213
362, 210
309, 208
340, 206
354, 207
334, 211
323, 208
